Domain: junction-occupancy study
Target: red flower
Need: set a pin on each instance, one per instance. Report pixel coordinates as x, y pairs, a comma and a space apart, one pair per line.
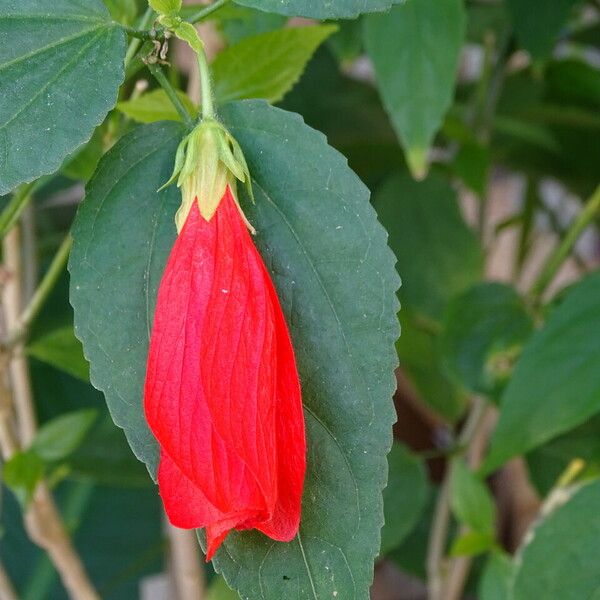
222, 394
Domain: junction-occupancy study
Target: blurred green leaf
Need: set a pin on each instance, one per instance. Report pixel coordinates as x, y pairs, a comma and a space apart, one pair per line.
155, 106
560, 556
421, 361
21, 473
122, 11
104, 457
404, 498
278, 60
347, 43
538, 27
573, 81
219, 590
548, 462
556, 383
83, 164
57, 438
472, 543
470, 499
438, 255
482, 335
472, 164
165, 7
239, 22
61, 349
415, 50
495, 579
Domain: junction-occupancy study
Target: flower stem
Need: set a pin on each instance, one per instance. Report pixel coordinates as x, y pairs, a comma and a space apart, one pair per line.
205, 12
561, 253
42, 292
17, 204
208, 110
171, 93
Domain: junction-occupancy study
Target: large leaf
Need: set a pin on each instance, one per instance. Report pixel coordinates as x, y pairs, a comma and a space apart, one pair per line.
61, 62
438, 256
334, 273
556, 384
320, 9
278, 59
415, 50
560, 556
537, 27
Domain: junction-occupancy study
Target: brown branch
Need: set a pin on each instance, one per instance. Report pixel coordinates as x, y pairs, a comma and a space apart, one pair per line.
43, 521
185, 566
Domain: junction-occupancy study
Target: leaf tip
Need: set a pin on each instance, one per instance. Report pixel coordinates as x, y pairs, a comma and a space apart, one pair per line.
417, 162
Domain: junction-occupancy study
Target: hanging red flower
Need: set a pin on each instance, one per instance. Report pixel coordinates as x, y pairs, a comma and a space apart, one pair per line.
222, 393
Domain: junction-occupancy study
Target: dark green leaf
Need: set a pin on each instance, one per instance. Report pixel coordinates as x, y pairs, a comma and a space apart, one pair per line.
62, 435
415, 50
472, 543
51, 97
420, 358
155, 106
343, 329
556, 383
495, 580
472, 164
278, 60
484, 330
438, 256
84, 162
237, 22
404, 498
61, 349
331, 9
104, 457
538, 30
21, 474
549, 461
560, 555
347, 42
470, 499
574, 82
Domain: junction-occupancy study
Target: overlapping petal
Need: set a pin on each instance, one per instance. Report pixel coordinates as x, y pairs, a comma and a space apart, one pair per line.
222, 394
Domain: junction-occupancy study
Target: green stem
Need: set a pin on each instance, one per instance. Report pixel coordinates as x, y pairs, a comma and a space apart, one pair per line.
205, 12
563, 250
42, 292
172, 94
17, 204
137, 41
208, 110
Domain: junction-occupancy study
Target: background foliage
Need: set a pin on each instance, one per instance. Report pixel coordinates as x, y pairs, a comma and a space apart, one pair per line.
474, 125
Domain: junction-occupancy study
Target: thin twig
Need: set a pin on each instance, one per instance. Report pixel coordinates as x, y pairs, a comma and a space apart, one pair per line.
43, 522
7, 590
15, 207
135, 43
441, 519
185, 564
563, 250
172, 94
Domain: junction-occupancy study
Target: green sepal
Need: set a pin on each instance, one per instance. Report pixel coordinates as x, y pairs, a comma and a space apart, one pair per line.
207, 161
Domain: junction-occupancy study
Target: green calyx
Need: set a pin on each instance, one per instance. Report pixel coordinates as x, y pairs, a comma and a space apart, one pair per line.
207, 161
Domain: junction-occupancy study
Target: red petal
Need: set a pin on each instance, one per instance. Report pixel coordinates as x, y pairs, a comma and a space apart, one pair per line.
222, 393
